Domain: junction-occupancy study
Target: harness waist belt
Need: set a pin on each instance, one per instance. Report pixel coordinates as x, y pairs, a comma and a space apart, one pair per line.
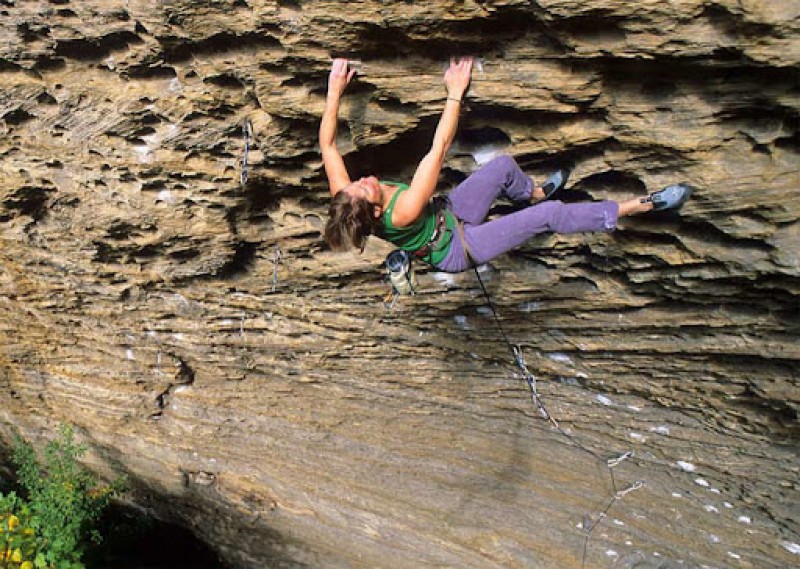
439, 234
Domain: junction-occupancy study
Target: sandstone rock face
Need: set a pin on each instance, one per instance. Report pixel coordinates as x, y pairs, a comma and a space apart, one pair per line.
202, 338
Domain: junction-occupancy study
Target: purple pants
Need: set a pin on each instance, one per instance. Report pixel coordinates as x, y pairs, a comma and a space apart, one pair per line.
471, 200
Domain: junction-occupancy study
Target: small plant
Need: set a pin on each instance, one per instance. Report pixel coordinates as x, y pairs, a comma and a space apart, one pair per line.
51, 528
17, 537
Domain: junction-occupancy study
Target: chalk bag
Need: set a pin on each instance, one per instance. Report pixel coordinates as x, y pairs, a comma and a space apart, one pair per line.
401, 274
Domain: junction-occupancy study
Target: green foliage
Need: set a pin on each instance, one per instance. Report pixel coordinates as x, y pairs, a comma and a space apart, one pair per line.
17, 537
51, 528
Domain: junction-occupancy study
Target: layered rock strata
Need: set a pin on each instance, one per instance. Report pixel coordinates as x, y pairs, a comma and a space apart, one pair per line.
204, 340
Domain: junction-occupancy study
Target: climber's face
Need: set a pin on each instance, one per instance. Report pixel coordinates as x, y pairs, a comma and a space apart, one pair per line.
367, 189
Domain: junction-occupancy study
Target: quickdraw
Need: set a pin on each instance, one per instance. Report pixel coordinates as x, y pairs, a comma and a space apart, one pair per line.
247, 133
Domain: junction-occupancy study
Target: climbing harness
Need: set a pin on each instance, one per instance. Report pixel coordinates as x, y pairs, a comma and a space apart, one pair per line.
438, 237
247, 133
519, 359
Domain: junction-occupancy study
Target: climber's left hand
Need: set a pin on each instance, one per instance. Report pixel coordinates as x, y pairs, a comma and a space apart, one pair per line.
339, 77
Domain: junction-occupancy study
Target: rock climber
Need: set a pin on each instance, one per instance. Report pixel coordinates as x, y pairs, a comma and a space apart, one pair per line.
456, 236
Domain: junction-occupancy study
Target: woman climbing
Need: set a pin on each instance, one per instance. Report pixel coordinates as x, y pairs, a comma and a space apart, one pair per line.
455, 236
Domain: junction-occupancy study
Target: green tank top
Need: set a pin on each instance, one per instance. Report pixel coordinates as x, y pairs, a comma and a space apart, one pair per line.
419, 233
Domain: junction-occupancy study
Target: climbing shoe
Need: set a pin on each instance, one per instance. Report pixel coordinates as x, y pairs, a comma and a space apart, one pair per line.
671, 197
555, 182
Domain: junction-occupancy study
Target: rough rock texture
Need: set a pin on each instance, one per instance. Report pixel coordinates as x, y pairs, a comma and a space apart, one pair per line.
275, 407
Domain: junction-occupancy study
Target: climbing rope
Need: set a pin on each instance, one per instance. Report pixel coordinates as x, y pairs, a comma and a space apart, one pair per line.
519, 359
589, 525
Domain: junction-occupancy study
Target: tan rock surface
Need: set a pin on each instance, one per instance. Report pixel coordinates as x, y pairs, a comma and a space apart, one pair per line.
295, 422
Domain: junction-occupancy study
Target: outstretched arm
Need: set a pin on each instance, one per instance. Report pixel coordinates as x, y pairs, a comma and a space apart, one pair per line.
338, 79
412, 202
